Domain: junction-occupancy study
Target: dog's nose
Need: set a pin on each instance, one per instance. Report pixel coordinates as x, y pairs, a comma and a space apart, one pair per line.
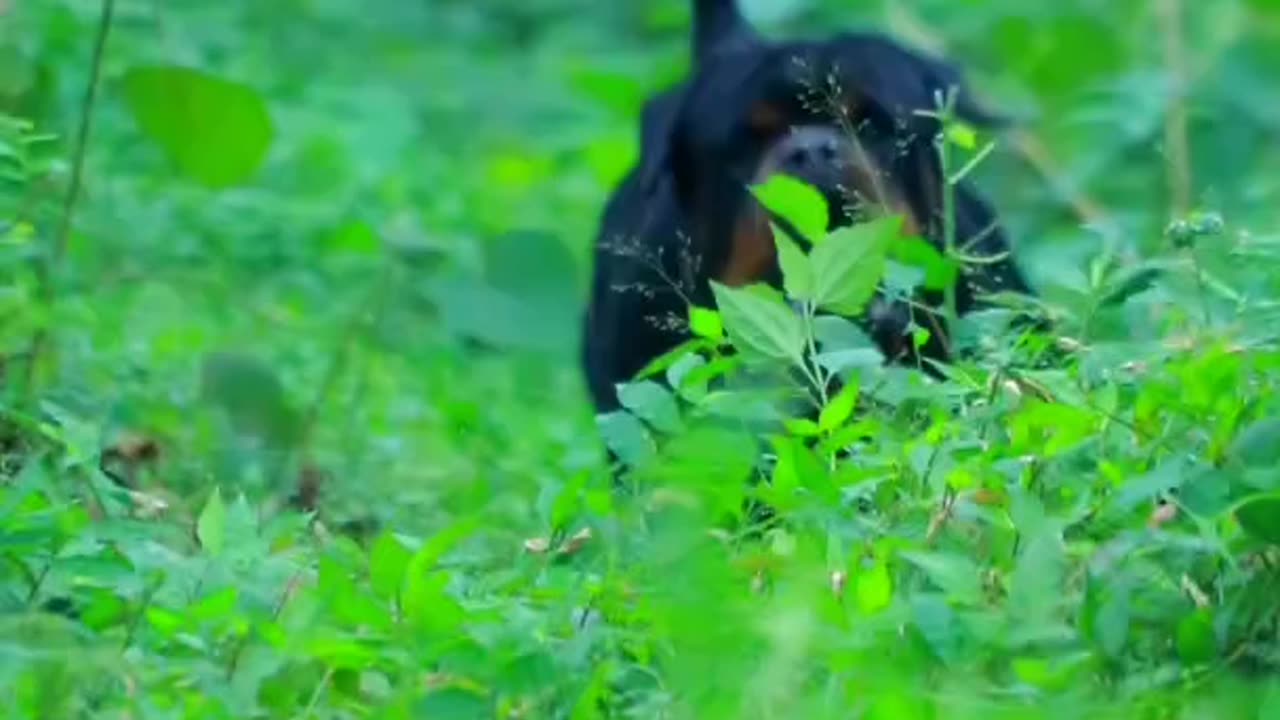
810, 152
818, 155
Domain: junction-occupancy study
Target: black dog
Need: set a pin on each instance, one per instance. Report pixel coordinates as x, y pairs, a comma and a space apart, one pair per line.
839, 113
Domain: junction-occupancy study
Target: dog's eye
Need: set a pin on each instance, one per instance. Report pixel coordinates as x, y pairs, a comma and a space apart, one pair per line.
766, 118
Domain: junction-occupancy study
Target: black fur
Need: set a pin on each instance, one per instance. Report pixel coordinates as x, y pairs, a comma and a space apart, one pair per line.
666, 230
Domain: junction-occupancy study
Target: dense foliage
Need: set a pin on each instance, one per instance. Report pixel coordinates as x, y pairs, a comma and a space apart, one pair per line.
292, 424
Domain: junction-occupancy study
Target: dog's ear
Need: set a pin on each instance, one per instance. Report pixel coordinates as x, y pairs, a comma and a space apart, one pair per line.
903, 81
719, 26
658, 121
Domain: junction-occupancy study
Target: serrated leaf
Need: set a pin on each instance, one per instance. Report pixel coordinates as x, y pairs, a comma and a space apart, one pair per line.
760, 323
211, 527
848, 266
797, 275
216, 131
799, 203
839, 409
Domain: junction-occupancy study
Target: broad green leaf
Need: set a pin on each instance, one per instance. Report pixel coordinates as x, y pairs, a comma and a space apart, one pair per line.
218, 607
939, 272
840, 408
937, 623
956, 576
1260, 517
626, 437
797, 275
388, 562
1197, 643
849, 265
454, 703
216, 131
211, 527
874, 588
798, 203
706, 323
426, 600
652, 403
760, 323
1259, 444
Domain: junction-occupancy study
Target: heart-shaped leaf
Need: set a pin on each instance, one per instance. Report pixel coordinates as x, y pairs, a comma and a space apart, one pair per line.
216, 131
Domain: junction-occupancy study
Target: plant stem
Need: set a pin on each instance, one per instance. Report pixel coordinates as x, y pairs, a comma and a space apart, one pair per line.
45, 271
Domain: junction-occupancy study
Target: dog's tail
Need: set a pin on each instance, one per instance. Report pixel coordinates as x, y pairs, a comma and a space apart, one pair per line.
719, 25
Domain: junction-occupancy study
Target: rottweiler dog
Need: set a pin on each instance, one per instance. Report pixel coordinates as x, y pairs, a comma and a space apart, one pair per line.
840, 113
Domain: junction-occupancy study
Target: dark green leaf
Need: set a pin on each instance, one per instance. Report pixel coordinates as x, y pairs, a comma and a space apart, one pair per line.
1259, 444
1260, 517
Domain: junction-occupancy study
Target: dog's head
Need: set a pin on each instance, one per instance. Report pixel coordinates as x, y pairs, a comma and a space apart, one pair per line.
840, 113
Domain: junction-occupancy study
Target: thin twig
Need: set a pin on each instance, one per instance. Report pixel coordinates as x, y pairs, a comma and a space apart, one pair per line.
1177, 145
45, 271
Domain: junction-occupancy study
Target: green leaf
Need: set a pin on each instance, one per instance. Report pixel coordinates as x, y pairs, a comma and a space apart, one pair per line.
1260, 517
797, 202
706, 323
939, 272
1259, 444
957, 576
962, 135
652, 403
849, 265
211, 527
760, 323
216, 131
839, 409
797, 275
454, 703
626, 437
1197, 644
388, 562
426, 600
874, 588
